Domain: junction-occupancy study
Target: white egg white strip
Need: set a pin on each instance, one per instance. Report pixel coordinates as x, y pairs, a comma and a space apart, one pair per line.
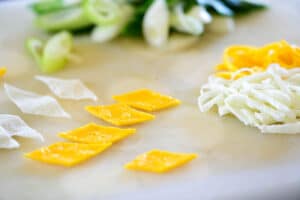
267, 100
67, 89
15, 126
290, 128
32, 103
6, 141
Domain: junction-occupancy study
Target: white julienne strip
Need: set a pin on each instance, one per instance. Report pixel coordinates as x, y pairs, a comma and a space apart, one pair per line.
261, 96
32, 103
264, 118
67, 89
291, 128
15, 126
223, 110
267, 100
234, 104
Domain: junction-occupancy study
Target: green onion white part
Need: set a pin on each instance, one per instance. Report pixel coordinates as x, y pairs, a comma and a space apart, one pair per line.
200, 13
186, 23
108, 32
102, 34
103, 12
156, 23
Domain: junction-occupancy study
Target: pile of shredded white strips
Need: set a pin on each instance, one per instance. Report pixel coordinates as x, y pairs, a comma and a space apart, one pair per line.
259, 86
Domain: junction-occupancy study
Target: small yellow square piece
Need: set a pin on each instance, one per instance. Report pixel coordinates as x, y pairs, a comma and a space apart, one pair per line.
67, 154
93, 133
147, 100
159, 161
2, 71
119, 114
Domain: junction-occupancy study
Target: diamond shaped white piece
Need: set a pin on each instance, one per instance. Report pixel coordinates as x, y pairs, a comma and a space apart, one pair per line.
6, 141
15, 126
32, 103
67, 89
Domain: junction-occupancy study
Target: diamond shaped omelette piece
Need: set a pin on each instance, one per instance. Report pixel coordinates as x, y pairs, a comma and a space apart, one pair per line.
67, 154
159, 161
2, 71
93, 133
147, 100
119, 114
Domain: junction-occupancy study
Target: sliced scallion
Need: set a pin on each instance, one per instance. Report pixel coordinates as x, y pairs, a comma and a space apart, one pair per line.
67, 19
56, 52
52, 55
103, 12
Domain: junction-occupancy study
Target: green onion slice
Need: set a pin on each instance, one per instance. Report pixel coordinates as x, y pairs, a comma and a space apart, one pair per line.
42, 7
35, 48
67, 19
56, 52
52, 55
103, 12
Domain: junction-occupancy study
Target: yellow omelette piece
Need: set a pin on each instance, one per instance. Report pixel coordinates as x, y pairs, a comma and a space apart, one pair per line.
2, 71
93, 133
237, 57
236, 75
67, 154
119, 114
159, 161
225, 75
147, 100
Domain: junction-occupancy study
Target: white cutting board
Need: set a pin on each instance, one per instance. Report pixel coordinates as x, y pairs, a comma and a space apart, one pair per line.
224, 145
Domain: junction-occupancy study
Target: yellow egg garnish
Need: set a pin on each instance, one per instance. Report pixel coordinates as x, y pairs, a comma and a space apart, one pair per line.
237, 57
67, 154
147, 100
119, 114
159, 161
2, 71
93, 133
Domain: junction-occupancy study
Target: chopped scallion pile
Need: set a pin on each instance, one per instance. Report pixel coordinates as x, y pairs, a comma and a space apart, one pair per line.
152, 19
